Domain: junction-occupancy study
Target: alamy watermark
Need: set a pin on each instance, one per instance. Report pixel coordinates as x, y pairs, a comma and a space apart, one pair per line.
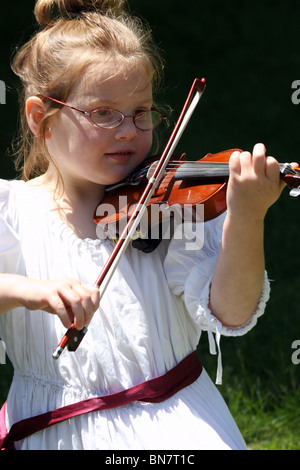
2, 353
296, 94
180, 222
2, 92
295, 357
296, 354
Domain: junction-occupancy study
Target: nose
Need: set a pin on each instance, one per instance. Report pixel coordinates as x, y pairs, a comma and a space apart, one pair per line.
127, 130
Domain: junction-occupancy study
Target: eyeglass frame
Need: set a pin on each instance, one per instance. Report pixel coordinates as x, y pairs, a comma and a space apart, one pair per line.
89, 114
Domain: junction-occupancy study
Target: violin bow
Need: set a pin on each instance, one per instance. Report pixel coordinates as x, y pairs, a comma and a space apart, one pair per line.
73, 337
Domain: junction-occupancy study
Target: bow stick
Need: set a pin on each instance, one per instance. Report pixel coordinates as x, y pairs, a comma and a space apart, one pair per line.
73, 337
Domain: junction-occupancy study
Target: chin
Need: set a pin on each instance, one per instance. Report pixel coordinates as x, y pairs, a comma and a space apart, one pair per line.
119, 175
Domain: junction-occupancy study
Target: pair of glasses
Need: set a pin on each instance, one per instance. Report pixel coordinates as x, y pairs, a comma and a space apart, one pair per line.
109, 118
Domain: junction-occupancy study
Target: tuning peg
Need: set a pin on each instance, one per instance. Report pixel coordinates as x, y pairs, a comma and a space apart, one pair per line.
295, 192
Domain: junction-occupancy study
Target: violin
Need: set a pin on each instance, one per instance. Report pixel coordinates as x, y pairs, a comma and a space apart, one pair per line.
170, 181
184, 183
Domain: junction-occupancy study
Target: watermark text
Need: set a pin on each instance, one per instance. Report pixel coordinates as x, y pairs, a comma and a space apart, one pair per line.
296, 354
2, 92
2, 353
159, 221
296, 94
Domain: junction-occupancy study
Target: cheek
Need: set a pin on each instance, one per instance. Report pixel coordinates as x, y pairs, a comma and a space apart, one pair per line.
76, 139
145, 145
84, 137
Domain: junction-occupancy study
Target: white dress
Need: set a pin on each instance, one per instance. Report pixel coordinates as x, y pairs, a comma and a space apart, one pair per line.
150, 318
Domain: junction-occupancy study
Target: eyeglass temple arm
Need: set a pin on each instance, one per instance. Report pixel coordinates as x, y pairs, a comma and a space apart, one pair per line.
63, 104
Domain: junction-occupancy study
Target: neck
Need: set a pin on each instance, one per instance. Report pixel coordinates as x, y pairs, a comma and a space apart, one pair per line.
74, 204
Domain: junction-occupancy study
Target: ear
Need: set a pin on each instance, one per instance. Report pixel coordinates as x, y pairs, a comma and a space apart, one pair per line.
35, 111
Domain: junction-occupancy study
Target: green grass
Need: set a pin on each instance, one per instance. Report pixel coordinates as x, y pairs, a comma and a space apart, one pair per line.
265, 426
266, 412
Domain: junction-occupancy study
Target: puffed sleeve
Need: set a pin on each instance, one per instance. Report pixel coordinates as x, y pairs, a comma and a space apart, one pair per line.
9, 239
189, 267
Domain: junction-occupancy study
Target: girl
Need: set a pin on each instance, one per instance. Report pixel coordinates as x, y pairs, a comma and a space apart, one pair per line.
102, 67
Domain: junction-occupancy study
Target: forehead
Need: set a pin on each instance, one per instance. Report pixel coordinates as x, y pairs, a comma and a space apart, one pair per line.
113, 80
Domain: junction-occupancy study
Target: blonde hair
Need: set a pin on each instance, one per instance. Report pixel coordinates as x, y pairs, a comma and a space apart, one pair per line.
72, 33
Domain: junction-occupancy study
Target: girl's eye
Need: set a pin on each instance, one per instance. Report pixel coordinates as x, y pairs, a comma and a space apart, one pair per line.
103, 112
138, 111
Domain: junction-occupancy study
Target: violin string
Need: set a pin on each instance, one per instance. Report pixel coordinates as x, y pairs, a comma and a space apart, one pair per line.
175, 163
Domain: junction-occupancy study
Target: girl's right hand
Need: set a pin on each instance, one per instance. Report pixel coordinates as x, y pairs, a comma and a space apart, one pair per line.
69, 299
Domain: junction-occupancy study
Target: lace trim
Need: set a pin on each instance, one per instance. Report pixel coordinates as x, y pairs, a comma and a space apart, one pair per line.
31, 378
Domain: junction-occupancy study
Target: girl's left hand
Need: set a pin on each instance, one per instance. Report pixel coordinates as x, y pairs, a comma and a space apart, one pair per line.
254, 183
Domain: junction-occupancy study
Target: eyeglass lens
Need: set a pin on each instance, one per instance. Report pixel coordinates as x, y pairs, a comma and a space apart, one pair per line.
110, 118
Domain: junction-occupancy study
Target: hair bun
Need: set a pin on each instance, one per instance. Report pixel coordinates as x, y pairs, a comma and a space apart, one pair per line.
46, 10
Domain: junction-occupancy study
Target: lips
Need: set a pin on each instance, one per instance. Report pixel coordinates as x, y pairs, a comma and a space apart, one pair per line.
121, 155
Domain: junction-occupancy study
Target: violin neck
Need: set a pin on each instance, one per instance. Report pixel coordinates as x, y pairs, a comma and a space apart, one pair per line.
219, 172
202, 171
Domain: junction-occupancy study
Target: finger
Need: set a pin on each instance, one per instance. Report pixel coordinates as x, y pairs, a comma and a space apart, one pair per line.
273, 173
272, 169
246, 162
259, 159
73, 304
234, 163
89, 302
95, 295
259, 149
58, 307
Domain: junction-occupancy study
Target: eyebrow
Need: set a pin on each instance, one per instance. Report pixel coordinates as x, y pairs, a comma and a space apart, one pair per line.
99, 102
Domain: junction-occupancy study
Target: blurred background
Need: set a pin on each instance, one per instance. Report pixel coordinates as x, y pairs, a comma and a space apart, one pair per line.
249, 54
